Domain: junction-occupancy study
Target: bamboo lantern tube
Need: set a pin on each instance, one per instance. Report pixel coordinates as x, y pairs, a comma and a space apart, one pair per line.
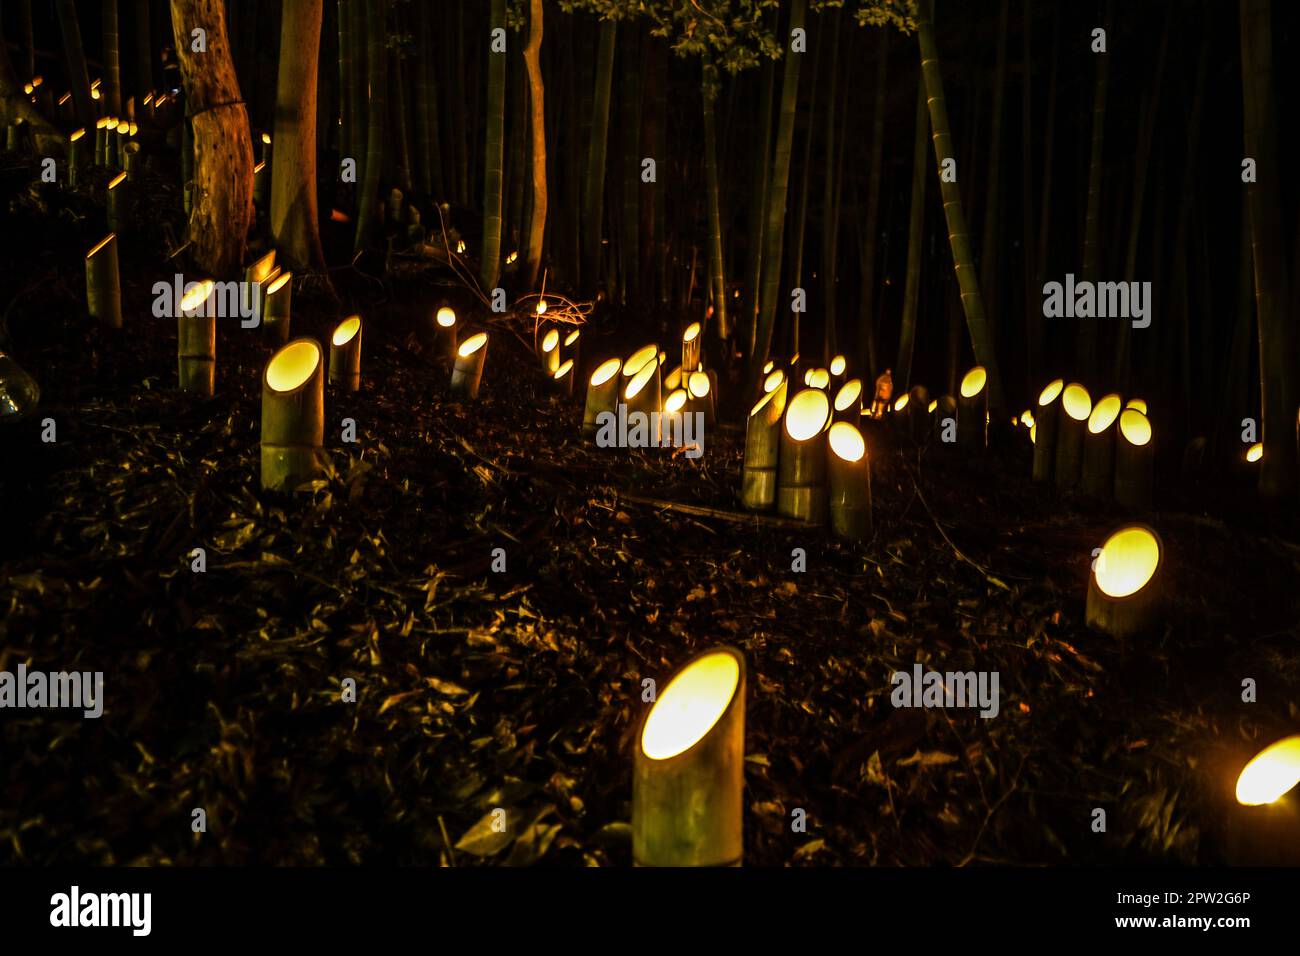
900, 418
562, 378
773, 380
700, 389
850, 482
838, 364
1137, 404
293, 416
117, 204
643, 355
642, 394
1261, 825
260, 269
345, 354
769, 366
261, 184
762, 447
973, 411
674, 380
122, 140
918, 413
276, 308
103, 289
573, 350
602, 394
691, 348
801, 476
550, 351
1099, 448
1047, 419
101, 133
688, 776
1134, 461
945, 408
817, 378
848, 402
1076, 406
266, 148
1124, 587
132, 162
76, 157
196, 340
672, 421
467, 373
444, 335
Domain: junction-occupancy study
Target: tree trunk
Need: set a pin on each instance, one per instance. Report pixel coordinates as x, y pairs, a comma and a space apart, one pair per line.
867, 319
537, 122
493, 155
915, 233
294, 224
222, 209
78, 76
112, 61
717, 273
377, 116
1087, 341
593, 196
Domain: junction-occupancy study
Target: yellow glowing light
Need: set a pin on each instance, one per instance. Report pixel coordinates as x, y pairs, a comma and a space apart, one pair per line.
101, 123
278, 282
934, 403
692, 332
1138, 404
817, 378
117, 180
77, 135
472, 344
1104, 413
973, 382
643, 356
292, 365
1255, 452
1271, 773
510, 259
663, 357
1077, 402
606, 370
550, 341
94, 94
572, 337
675, 401
148, 98
846, 442
266, 139
690, 705
698, 383
64, 99
773, 380
838, 365
639, 380
259, 167
848, 394
769, 366
541, 303
564, 369
133, 128
1135, 428
761, 404
101, 244
446, 317
348, 328
900, 403
1048, 395
196, 296
807, 414
1027, 418
1127, 562
28, 88
1033, 434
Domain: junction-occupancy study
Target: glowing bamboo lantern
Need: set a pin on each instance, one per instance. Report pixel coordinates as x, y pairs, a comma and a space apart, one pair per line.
117, 204
1137, 404
293, 416
1047, 420
65, 108
122, 140
691, 348
674, 380
642, 394
817, 378
196, 340
700, 389
103, 288
131, 161
1262, 826
277, 307
768, 366
444, 335
1099, 448
109, 142
850, 483
673, 412
848, 401
345, 354
838, 364
688, 775
1124, 586
773, 380
899, 419
266, 148
1076, 406
573, 349
602, 394
1255, 453
973, 411
801, 482
101, 134
467, 373
261, 184
1134, 461
1271, 774
562, 377
762, 450
76, 156
550, 351
639, 358
945, 408
261, 269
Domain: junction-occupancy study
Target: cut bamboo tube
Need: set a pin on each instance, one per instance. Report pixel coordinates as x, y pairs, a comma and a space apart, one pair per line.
261, 184
1047, 418
131, 161
196, 340
573, 350
691, 348
1099, 448
688, 776
345, 354
762, 451
672, 422
444, 335
1076, 406
76, 157
121, 141
838, 365
467, 373
900, 415
1124, 588
634, 362
562, 378
848, 402
103, 289
918, 413
602, 394
277, 307
849, 470
118, 206
801, 481
101, 134
699, 388
973, 411
293, 416
674, 380
642, 394
1134, 461
550, 351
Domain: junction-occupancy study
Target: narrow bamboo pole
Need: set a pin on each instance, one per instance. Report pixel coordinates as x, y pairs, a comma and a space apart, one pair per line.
973, 411
1099, 448
76, 157
277, 308
118, 204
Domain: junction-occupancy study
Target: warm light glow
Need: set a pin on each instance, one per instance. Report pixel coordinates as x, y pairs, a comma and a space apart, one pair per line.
460, 248
773, 380
346, 330
266, 138
1027, 418
1127, 562
934, 403
100, 245
292, 365
572, 337
1077, 402
117, 180
446, 317
510, 259
259, 167
1048, 395
1104, 413
900, 403
698, 383
973, 382
94, 93
818, 378
132, 128
675, 401
101, 123
1271, 773
1033, 434
607, 370
663, 357
846, 442
550, 341
643, 356
807, 414
192, 299
848, 394
541, 303
838, 365
77, 135
639, 380
28, 88
690, 705
1255, 452
1135, 428
564, 369
472, 344
278, 283
769, 366
692, 332
1138, 404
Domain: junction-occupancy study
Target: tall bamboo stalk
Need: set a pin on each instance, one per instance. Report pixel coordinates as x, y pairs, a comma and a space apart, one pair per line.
294, 223
630, 118
834, 154
758, 207
717, 273
143, 52
1029, 268
377, 63
867, 318
989, 243
493, 156
915, 231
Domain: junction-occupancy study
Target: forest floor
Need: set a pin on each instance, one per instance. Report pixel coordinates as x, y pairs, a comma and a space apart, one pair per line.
522, 689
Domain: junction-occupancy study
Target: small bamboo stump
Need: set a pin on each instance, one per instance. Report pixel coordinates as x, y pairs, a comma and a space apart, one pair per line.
118, 204
758, 475
688, 775
1076, 406
691, 348
573, 350
1124, 588
77, 147
850, 483
550, 351
973, 411
131, 161
345, 354
562, 378
1099, 448
699, 388
801, 482
1261, 805
277, 307
467, 373
293, 416
1134, 461
602, 395
644, 394
444, 335
101, 134
103, 289
196, 340
1047, 418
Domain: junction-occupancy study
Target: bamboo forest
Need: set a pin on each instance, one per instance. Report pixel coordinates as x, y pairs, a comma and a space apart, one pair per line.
649, 433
